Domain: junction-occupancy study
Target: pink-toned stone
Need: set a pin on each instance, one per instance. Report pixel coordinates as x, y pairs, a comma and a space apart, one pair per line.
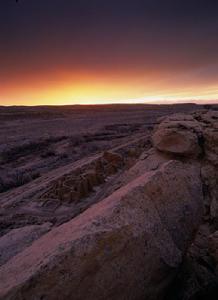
128, 246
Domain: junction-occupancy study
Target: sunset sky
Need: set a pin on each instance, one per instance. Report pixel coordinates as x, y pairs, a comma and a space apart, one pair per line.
106, 51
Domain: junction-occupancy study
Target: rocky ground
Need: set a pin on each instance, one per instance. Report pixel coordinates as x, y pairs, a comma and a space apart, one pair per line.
36, 140
135, 217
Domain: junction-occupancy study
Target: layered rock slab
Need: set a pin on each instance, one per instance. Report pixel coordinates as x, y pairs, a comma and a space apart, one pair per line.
18, 239
126, 247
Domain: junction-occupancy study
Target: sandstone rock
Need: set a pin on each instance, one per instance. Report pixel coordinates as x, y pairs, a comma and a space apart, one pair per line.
110, 169
179, 135
113, 158
92, 179
152, 162
189, 135
18, 239
127, 246
82, 188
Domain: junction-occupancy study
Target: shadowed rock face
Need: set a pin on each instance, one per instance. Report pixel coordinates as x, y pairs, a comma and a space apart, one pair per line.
126, 247
187, 136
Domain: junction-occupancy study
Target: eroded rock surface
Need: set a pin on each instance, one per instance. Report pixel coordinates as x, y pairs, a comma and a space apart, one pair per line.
195, 138
151, 234
18, 239
126, 247
178, 134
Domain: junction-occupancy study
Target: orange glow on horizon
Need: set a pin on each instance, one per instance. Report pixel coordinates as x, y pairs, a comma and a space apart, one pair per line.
95, 89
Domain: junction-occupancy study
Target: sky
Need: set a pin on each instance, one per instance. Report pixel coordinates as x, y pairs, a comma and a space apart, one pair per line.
96, 51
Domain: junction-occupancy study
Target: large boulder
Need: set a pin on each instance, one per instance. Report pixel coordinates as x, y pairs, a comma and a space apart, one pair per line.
179, 135
127, 246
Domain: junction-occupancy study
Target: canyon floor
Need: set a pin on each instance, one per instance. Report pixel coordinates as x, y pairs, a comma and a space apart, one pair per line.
109, 202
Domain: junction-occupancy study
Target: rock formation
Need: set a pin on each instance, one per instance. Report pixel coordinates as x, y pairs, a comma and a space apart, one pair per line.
128, 245
178, 135
18, 239
151, 234
194, 138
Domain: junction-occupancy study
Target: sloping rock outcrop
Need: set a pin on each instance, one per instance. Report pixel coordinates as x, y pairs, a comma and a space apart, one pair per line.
128, 246
155, 235
18, 239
